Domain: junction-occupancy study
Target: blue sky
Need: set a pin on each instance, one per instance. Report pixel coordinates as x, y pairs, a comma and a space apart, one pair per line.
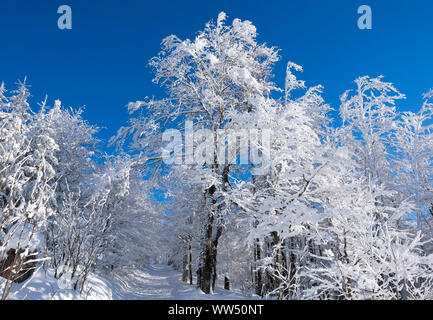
102, 62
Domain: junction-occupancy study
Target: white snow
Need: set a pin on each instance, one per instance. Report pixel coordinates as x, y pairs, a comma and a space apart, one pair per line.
155, 282
43, 286
160, 282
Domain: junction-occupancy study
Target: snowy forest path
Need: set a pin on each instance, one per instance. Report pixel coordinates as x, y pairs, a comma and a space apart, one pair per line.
158, 282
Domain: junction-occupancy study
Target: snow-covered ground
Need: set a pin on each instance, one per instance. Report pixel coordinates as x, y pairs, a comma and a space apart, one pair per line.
43, 286
159, 282
156, 282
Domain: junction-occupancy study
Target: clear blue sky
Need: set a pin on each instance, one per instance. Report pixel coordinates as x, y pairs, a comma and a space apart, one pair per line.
102, 62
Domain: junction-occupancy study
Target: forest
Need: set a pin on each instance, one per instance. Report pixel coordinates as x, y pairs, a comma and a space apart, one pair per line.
340, 205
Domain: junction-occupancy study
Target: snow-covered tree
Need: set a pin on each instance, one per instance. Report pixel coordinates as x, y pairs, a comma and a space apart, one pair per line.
412, 158
371, 250
213, 80
369, 118
27, 183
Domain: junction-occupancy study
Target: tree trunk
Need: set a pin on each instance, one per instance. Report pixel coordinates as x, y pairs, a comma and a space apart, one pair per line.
187, 268
207, 274
205, 269
293, 265
190, 263
226, 283
285, 268
214, 255
277, 262
258, 273
267, 274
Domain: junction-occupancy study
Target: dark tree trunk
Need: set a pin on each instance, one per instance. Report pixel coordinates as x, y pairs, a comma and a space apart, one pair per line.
277, 262
285, 268
205, 268
208, 274
258, 273
292, 263
185, 268
267, 274
226, 283
214, 255
190, 263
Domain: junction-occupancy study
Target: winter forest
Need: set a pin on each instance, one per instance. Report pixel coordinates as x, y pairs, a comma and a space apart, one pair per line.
340, 207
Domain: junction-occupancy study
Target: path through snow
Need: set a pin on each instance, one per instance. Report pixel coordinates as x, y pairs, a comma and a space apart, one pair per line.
158, 282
